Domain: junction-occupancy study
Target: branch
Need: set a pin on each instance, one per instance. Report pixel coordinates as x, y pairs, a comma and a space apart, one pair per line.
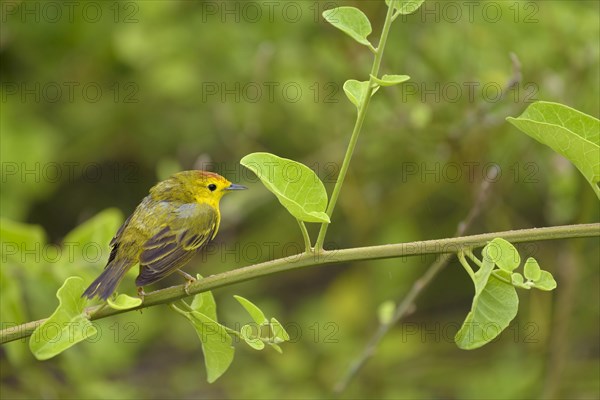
326, 257
360, 117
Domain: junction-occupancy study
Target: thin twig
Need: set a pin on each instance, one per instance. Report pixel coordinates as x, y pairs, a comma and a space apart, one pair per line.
407, 304
360, 117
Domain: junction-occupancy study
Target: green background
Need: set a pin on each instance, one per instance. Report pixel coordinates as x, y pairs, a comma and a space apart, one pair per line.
99, 100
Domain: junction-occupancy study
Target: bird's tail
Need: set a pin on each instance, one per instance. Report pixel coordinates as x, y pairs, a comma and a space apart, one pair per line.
108, 280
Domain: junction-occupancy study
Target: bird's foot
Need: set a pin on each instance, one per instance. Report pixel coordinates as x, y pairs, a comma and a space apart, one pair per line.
190, 279
141, 293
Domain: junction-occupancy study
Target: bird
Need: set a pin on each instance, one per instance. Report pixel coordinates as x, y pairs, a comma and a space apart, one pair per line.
171, 224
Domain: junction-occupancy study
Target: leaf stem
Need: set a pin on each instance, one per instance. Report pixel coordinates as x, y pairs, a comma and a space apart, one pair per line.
465, 264
322, 258
362, 112
473, 258
305, 235
503, 279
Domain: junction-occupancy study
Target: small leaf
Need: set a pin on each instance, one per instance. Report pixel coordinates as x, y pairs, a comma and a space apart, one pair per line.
390, 80
490, 314
205, 303
385, 312
276, 347
532, 269
405, 6
503, 254
517, 280
68, 324
546, 281
296, 186
355, 91
216, 344
279, 332
569, 132
124, 302
351, 21
247, 333
256, 313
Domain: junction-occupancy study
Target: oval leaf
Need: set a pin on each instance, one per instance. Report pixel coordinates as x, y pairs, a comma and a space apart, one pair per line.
517, 280
490, 314
276, 347
256, 313
296, 186
216, 344
390, 80
68, 324
569, 132
124, 302
351, 21
247, 333
532, 269
503, 254
546, 282
279, 332
355, 91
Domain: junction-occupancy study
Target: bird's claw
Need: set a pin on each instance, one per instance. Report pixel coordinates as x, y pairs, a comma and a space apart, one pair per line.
186, 288
141, 293
190, 279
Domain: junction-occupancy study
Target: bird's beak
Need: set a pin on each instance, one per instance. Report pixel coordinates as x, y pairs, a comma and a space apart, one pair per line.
234, 186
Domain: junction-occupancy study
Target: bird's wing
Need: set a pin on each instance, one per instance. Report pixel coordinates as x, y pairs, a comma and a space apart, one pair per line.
192, 226
114, 243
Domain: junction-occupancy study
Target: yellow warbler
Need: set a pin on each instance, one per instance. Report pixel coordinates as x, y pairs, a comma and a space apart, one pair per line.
177, 218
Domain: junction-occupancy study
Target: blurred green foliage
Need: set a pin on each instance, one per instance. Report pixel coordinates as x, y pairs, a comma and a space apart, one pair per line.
101, 102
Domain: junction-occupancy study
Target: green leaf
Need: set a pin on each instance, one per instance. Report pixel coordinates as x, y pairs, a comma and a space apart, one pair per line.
255, 312
569, 132
483, 274
503, 254
532, 269
351, 21
279, 332
385, 312
249, 336
205, 303
296, 186
390, 80
124, 302
276, 347
405, 6
491, 312
216, 343
68, 324
356, 90
546, 281
517, 280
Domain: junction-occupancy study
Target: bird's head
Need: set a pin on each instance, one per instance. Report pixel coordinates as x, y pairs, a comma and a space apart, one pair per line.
195, 185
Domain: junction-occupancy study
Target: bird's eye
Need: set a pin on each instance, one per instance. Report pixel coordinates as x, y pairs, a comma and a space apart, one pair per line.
212, 187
